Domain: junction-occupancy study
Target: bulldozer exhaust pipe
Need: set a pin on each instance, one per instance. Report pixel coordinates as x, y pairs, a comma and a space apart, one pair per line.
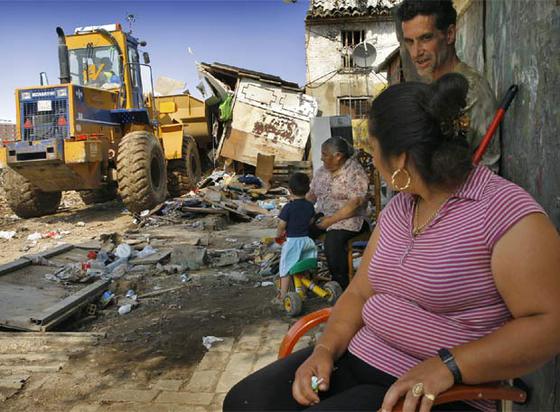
63, 60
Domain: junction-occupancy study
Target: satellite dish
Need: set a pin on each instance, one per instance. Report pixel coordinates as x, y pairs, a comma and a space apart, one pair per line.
364, 55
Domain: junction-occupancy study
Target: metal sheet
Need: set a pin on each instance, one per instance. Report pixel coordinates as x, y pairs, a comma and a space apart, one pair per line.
26, 294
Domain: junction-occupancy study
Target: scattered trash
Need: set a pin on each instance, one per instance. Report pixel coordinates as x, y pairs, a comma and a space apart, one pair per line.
80, 224
147, 251
106, 298
124, 309
92, 254
55, 234
7, 234
185, 278
130, 294
124, 251
35, 236
144, 213
208, 341
41, 260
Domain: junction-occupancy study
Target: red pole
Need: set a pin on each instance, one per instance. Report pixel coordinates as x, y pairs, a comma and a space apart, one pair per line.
506, 101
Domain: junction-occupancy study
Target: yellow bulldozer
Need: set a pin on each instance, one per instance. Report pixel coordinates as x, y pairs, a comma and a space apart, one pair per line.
98, 133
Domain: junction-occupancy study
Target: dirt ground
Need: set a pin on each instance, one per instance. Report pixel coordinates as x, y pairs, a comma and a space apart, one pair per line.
163, 333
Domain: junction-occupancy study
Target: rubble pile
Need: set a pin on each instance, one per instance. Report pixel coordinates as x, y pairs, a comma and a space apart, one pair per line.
179, 241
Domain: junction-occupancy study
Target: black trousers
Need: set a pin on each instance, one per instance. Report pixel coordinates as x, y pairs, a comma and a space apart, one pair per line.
354, 386
336, 252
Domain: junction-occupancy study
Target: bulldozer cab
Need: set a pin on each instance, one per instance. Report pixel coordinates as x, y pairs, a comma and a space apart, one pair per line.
106, 57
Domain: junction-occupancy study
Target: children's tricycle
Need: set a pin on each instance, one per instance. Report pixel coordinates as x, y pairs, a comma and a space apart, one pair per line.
303, 282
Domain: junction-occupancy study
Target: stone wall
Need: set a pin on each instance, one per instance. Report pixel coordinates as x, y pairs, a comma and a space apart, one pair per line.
516, 41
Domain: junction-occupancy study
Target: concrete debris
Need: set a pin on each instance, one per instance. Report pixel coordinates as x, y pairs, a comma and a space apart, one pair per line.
189, 257
224, 258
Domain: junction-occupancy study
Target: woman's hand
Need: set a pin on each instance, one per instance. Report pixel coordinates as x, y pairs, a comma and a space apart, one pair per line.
324, 223
319, 364
435, 379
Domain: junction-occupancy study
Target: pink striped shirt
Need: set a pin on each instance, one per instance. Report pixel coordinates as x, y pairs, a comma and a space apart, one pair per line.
436, 290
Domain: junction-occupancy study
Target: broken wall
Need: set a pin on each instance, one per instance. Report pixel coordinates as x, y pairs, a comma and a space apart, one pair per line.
324, 56
516, 41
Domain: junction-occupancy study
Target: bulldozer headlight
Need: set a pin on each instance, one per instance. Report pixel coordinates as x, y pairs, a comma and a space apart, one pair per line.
61, 92
25, 95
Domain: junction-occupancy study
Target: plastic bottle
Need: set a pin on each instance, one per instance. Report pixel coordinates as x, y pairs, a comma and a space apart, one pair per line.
124, 309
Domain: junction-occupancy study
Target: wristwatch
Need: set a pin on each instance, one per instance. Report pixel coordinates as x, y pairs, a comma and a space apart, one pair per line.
449, 360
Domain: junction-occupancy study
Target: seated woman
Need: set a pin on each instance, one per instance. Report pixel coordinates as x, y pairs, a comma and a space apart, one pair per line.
339, 190
459, 282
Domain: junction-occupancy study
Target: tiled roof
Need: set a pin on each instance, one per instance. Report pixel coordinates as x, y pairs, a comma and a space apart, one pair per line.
349, 8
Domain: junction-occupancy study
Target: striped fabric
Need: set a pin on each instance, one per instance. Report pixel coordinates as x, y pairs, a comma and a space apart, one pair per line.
436, 290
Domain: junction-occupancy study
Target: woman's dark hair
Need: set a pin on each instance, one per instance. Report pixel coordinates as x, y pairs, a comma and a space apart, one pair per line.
340, 145
422, 121
299, 184
443, 10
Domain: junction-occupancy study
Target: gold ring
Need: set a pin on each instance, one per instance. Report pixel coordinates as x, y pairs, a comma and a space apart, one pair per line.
418, 389
430, 396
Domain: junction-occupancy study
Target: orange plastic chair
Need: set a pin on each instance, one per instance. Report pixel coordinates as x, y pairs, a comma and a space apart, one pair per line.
496, 392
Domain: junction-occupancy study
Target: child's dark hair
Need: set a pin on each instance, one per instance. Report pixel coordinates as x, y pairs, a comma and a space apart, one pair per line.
299, 184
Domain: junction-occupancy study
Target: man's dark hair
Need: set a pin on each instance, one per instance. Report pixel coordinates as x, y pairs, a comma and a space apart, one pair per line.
299, 184
443, 10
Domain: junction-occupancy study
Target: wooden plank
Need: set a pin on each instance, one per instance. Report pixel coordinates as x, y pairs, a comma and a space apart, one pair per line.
229, 209
203, 210
160, 292
265, 168
13, 381
296, 163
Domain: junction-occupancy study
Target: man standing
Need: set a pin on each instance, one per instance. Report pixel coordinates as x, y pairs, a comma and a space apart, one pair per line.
429, 33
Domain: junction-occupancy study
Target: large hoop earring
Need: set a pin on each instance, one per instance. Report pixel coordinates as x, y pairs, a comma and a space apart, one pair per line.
394, 176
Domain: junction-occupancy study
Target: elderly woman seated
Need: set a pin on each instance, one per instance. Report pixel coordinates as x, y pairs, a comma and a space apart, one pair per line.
339, 190
459, 281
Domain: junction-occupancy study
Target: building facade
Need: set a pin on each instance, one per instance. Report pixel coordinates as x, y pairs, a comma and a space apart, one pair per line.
7, 130
333, 29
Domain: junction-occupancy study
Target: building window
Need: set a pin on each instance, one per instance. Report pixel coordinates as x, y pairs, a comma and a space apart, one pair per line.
350, 39
355, 107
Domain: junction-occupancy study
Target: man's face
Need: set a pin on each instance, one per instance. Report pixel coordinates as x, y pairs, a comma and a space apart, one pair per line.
429, 47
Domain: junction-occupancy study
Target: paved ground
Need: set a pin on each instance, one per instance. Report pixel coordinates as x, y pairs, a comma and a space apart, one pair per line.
221, 367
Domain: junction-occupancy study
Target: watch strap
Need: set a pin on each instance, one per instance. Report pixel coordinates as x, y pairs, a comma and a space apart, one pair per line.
449, 360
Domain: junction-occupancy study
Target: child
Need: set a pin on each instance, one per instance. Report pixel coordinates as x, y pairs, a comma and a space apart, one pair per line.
295, 218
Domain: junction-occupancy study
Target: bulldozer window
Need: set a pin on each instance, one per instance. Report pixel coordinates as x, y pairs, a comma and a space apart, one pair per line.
91, 66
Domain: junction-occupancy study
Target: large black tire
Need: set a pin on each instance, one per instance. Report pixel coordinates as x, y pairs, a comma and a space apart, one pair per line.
104, 194
141, 174
183, 174
26, 199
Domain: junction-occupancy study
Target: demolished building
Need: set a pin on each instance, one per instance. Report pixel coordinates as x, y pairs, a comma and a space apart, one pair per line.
260, 114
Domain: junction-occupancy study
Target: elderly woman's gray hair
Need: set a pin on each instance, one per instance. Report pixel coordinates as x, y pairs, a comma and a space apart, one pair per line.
340, 145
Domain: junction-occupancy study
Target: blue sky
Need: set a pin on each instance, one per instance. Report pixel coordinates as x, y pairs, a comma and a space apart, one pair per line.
262, 35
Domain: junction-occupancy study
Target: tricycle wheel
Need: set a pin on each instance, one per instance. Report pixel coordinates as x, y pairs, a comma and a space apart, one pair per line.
293, 304
334, 291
